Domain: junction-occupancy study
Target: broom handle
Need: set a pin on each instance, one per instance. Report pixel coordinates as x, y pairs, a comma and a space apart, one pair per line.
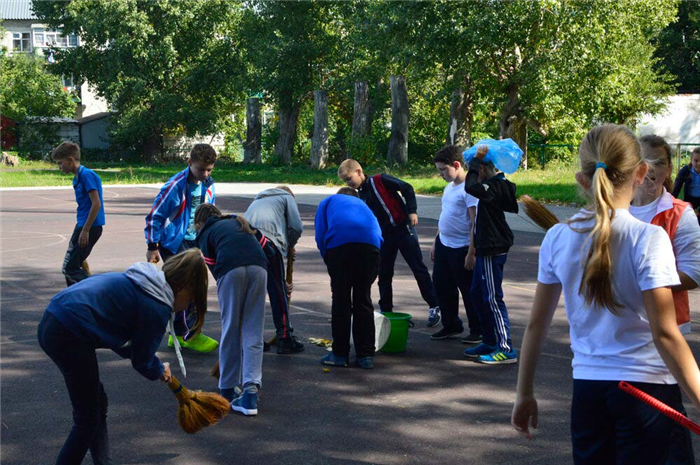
660, 406
290, 264
175, 385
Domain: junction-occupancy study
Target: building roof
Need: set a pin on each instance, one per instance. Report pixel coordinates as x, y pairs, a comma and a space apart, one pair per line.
16, 9
94, 117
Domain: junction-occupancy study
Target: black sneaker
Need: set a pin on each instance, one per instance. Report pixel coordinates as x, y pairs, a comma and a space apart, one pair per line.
472, 338
266, 346
289, 345
445, 333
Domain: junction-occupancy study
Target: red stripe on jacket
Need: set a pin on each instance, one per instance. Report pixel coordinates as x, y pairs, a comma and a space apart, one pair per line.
395, 207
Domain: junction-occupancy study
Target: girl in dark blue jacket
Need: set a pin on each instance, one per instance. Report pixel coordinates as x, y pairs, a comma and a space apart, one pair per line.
236, 259
128, 313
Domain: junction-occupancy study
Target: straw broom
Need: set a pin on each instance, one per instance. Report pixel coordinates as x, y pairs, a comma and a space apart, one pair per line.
538, 213
197, 410
215, 372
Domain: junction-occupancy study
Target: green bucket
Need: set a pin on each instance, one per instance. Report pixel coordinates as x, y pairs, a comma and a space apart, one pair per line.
398, 336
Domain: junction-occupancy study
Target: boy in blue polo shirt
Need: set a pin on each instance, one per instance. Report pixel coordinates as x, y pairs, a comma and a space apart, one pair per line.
91, 213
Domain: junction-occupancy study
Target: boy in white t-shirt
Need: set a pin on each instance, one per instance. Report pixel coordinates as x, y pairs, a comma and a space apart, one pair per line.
453, 252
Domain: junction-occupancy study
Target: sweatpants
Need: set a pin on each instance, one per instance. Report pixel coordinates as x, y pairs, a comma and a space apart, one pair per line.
183, 321
75, 255
407, 243
242, 301
487, 296
277, 290
77, 361
450, 278
608, 426
353, 269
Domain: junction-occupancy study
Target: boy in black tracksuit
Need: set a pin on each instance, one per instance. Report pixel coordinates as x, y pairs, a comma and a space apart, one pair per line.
493, 238
397, 218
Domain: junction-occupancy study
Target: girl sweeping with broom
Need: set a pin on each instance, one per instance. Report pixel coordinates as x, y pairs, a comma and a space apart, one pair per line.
128, 313
616, 273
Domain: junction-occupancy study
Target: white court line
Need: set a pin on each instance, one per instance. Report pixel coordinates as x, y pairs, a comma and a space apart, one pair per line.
63, 239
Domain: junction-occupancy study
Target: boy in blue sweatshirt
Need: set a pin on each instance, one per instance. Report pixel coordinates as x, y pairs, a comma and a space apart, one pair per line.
170, 228
91, 212
127, 313
349, 238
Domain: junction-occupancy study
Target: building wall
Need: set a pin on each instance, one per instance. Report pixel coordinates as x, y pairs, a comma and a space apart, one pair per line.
94, 134
679, 124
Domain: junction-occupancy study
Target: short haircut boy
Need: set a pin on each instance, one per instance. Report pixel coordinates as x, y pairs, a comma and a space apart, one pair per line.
448, 155
203, 153
654, 141
348, 166
348, 191
66, 149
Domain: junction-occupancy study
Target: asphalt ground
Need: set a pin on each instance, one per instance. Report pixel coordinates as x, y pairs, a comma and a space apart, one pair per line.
428, 405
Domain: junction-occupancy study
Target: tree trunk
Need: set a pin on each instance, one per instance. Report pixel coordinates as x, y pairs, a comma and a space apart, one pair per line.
252, 146
513, 123
459, 132
319, 142
288, 120
398, 142
361, 117
152, 148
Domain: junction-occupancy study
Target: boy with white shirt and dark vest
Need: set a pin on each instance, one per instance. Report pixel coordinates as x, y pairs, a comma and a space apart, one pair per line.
453, 252
393, 202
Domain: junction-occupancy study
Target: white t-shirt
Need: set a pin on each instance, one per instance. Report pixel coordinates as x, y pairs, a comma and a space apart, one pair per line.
609, 347
454, 224
686, 242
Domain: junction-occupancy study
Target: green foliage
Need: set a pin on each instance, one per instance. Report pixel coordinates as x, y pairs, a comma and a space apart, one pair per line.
164, 67
27, 88
678, 47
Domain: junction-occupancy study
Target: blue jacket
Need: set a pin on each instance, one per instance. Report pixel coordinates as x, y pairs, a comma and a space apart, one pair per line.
343, 219
112, 311
226, 246
169, 217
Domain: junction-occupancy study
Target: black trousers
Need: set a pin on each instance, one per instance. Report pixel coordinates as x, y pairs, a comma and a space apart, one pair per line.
450, 278
277, 290
406, 242
353, 269
183, 321
78, 364
75, 255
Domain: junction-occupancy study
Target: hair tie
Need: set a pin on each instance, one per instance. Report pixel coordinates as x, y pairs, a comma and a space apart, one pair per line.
600, 164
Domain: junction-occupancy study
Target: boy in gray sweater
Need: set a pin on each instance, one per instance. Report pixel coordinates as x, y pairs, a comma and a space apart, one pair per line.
275, 213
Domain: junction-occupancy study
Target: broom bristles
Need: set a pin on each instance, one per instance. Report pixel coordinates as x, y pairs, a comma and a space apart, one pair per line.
197, 410
538, 213
86, 267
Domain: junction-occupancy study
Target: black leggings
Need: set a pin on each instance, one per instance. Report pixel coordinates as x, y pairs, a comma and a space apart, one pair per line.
78, 364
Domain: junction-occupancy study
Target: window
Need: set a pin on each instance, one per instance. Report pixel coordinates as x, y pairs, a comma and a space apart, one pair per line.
21, 42
51, 38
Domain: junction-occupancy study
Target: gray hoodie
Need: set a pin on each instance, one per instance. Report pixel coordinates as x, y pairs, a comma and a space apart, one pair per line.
275, 213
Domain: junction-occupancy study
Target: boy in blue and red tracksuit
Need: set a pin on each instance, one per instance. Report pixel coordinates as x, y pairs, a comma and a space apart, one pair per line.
393, 202
170, 227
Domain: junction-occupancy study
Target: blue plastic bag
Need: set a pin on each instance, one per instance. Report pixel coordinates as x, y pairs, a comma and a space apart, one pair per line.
504, 154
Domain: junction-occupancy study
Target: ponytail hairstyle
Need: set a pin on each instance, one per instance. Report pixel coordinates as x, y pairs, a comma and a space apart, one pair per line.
187, 270
653, 141
208, 210
609, 155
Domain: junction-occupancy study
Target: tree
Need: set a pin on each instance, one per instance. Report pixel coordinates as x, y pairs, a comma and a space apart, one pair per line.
27, 88
163, 67
678, 47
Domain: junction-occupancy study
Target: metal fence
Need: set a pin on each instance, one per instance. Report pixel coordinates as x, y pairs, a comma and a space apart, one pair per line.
546, 153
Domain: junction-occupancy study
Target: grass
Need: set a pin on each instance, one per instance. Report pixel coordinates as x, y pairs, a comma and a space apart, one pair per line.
553, 185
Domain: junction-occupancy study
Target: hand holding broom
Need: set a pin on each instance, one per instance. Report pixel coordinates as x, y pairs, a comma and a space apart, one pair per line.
196, 410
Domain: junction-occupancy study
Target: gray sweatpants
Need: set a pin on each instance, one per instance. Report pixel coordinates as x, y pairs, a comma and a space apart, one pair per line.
242, 294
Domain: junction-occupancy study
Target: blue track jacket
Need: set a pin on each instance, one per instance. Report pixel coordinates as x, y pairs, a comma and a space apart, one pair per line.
168, 219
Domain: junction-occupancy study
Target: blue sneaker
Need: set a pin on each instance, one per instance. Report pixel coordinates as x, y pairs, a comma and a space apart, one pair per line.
334, 360
478, 351
366, 363
247, 402
499, 357
433, 316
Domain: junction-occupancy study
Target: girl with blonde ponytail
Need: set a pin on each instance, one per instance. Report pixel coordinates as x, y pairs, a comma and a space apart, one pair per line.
616, 273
